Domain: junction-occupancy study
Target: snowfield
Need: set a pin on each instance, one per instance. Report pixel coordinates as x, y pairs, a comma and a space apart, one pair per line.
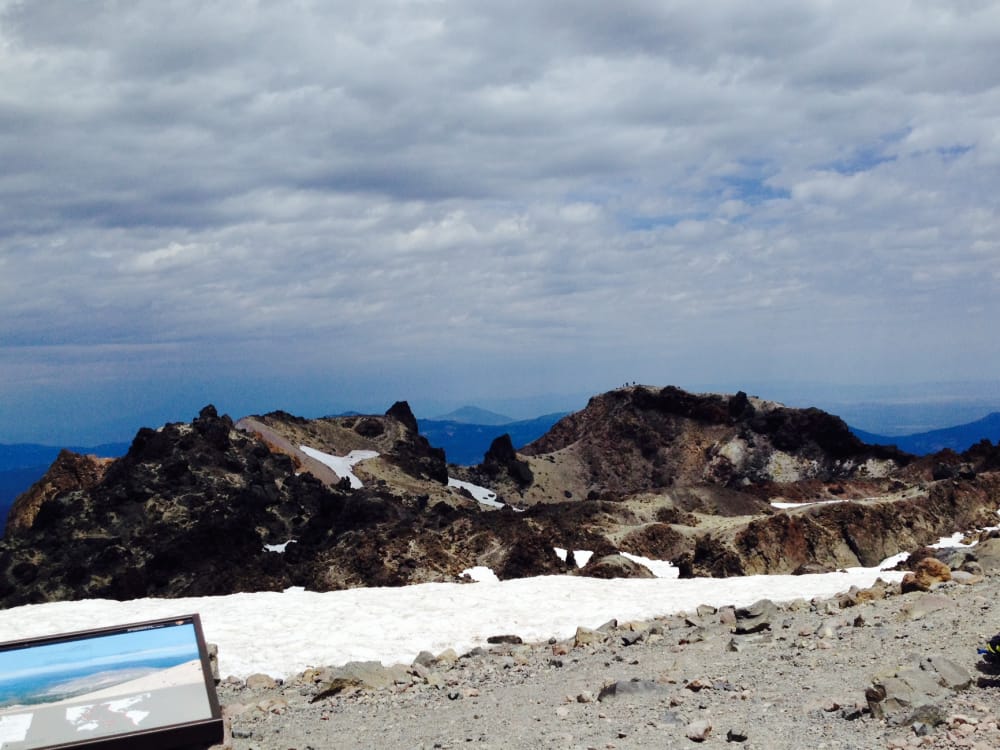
282, 633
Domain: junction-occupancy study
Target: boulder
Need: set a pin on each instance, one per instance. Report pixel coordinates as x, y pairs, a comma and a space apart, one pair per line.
924, 605
758, 616
913, 693
359, 675
927, 573
614, 566
988, 555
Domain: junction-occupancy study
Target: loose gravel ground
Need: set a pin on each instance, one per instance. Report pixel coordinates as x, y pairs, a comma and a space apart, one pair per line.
687, 681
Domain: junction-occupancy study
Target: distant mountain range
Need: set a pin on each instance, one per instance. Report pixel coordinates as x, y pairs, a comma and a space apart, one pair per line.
474, 415
465, 435
958, 438
466, 442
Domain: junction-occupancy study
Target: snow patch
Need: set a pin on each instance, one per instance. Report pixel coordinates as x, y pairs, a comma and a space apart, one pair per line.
659, 568
277, 547
786, 506
581, 556
481, 574
341, 465
482, 495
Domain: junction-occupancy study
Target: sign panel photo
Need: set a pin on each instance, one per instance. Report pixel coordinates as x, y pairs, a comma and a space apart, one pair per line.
109, 688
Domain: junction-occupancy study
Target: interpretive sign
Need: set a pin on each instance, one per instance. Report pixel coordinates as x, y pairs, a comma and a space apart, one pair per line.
146, 685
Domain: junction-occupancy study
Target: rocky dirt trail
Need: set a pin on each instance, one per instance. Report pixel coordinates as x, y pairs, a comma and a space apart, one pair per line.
794, 675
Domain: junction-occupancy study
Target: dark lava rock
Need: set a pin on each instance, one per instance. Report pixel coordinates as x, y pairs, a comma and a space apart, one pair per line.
401, 412
710, 557
502, 458
414, 454
640, 439
188, 510
657, 541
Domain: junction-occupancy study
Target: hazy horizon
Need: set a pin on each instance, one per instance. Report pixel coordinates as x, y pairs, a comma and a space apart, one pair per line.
331, 206
901, 411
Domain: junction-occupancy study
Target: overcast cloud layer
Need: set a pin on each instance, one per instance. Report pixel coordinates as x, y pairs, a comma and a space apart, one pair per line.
294, 204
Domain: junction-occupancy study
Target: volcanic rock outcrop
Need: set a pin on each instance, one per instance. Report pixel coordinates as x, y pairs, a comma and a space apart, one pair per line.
272, 501
695, 479
639, 439
69, 472
189, 509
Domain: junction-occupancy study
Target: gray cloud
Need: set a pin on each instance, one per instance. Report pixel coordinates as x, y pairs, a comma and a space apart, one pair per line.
558, 190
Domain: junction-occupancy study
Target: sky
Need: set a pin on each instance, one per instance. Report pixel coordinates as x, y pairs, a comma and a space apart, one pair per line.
326, 206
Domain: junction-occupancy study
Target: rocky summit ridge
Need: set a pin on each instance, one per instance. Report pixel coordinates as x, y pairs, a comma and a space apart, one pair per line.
270, 501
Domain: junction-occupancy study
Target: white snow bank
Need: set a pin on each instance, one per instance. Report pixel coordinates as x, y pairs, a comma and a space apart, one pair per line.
277, 547
341, 465
283, 633
482, 495
786, 506
659, 568
481, 574
581, 556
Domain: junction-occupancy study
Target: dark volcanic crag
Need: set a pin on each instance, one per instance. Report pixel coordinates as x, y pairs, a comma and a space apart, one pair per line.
70, 471
192, 508
188, 510
639, 439
695, 476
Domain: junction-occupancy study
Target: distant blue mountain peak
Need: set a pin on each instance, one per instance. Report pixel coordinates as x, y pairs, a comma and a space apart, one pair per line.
474, 415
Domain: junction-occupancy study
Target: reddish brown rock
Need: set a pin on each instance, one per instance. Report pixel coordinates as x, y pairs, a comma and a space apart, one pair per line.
69, 472
928, 572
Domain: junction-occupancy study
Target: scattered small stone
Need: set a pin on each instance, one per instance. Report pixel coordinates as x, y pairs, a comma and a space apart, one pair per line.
698, 731
495, 639
259, 681
424, 659
630, 638
633, 687
739, 734
697, 685
672, 718
587, 637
